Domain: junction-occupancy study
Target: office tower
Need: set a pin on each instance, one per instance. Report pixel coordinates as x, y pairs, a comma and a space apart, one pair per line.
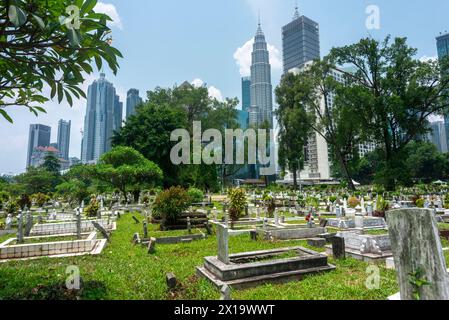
300, 42
437, 136
64, 138
118, 113
261, 110
39, 136
103, 113
246, 93
443, 51
132, 101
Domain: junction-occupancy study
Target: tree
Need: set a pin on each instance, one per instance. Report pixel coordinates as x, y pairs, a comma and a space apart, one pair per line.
393, 93
293, 123
128, 170
50, 43
51, 163
74, 192
37, 180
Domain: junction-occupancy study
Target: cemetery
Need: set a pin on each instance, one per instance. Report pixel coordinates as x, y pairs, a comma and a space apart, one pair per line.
303, 248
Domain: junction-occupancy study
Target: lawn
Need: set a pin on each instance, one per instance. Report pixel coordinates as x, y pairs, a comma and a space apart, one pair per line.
125, 271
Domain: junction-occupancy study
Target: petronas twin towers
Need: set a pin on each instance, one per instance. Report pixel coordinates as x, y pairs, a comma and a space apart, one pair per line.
261, 111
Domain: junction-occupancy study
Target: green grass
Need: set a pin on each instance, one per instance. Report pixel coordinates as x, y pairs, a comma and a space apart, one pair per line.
125, 271
380, 232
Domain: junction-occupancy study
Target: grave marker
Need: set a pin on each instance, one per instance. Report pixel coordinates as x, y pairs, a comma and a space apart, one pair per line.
20, 228
223, 245
338, 247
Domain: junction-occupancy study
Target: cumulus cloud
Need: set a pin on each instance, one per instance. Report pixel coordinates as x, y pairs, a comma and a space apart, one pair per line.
213, 91
242, 57
111, 11
428, 59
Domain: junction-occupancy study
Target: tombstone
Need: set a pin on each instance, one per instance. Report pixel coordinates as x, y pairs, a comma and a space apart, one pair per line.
253, 235
8, 222
136, 220
145, 230
20, 228
338, 211
258, 212
338, 247
225, 293
265, 224
369, 210
323, 223
29, 223
172, 283
246, 211
208, 229
189, 225
78, 225
101, 229
417, 248
215, 216
152, 246
223, 245
276, 217
226, 219
136, 238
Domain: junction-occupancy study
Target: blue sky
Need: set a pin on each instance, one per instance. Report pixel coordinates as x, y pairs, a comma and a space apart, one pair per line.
170, 41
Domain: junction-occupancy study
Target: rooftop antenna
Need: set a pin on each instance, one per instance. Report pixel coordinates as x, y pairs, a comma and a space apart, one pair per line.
296, 16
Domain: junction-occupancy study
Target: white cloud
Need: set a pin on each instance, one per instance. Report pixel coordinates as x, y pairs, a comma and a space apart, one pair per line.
213, 91
428, 59
242, 58
111, 11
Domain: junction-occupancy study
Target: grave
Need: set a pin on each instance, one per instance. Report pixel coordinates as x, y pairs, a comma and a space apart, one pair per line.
69, 227
249, 269
290, 233
363, 222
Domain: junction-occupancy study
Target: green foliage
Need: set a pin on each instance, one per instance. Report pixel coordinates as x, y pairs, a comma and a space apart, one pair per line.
40, 199
237, 203
43, 46
419, 203
92, 209
4, 197
24, 201
12, 207
37, 180
73, 191
417, 280
353, 202
196, 195
170, 203
312, 202
51, 163
270, 204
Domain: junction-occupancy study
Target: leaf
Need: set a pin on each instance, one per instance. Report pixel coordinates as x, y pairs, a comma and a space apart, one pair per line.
88, 6
16, 15
6, 116
39, 21
60, 93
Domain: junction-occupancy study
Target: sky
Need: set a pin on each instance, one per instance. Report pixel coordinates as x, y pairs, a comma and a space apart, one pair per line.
209, 42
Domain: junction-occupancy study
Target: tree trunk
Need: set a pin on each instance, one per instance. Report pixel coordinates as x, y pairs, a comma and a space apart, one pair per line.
295, 179
345, 171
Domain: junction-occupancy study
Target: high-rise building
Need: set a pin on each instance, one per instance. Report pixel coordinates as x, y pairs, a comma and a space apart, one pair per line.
64, 138
39, 136
246, 93
437, 136
261, 110
443, 51
300, 42
133, 99
103, 117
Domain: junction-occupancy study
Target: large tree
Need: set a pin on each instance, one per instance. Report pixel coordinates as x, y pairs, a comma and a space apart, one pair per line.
393, 93
50, 43
293, 122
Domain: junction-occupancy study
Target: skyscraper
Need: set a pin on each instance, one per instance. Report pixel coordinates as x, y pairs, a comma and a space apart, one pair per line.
300, 42
246, 93
132, 101
261, 110
443, 51
103, 113
64, 138
39, 136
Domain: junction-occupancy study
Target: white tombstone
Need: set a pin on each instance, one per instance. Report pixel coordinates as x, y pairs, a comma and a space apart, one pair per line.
8, 222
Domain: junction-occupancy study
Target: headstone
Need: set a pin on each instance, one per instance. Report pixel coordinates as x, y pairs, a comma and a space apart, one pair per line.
258, 212
253, 235
323, 223
145, 230
338, 247
226, 219
78, 225
225, 293
136, 220
8, 222
20, 228
136, 238
223, 245
29, 223
189, 225
276, 217
208, 229
338, 211
152, 246
369, 210
171, 281
316, 242
101, 229
417, 251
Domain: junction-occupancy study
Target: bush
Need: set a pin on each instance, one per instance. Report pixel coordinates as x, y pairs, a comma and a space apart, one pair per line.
237, 203
332, 199
170, 203
92, 209
40, 199
24, 201
4, 197
420, 203
196, 195
12, 207
353, 202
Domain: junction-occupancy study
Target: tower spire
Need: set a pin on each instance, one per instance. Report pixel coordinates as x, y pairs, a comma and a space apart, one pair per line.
259, 27
296, 15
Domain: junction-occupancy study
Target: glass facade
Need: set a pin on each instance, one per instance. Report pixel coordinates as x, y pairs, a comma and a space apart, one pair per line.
300, 42
132, 101
443, 51
64, 138
103, 117
39, 136
246, 93
261, 110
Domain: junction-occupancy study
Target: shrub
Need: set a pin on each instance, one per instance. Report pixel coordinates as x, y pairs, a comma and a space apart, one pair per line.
353, 202
24, 201
237, 203
420, 203
92, 209
332, 199
270, 204
170, 203
40, 199
4, 197
12, 207
196, 195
